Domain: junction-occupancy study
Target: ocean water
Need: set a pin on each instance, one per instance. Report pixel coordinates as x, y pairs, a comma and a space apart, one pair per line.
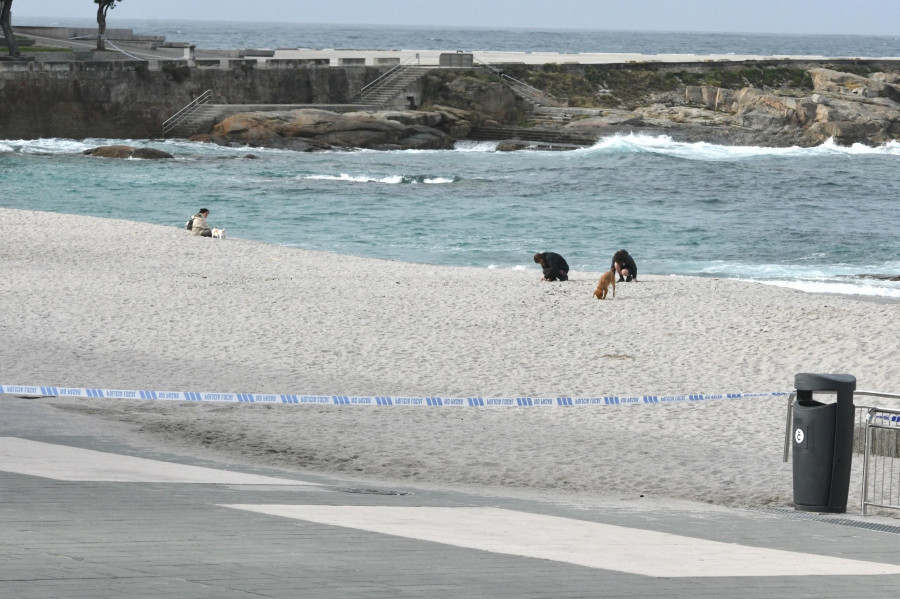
232, 34
810, 218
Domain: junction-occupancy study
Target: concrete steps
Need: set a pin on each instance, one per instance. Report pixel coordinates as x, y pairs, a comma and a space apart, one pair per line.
200, 120
385, 93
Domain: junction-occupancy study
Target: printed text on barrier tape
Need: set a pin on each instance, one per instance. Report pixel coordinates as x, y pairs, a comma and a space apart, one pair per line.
342, 400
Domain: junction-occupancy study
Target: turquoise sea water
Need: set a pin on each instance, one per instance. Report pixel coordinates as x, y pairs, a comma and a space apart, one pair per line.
808, 218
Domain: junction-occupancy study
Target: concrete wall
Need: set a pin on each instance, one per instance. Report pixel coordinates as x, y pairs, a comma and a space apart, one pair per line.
120, 99
86, 32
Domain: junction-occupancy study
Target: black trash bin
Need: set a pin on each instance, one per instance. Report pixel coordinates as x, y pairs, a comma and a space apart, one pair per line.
823, 442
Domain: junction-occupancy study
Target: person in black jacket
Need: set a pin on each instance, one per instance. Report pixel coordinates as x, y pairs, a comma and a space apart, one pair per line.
554, 266
624, 265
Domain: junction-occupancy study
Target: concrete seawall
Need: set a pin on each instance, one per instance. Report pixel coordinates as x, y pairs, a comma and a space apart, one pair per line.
126, 99
131, 99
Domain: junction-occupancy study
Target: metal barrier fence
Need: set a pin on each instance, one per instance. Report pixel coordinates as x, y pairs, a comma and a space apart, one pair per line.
881, 462
876, 437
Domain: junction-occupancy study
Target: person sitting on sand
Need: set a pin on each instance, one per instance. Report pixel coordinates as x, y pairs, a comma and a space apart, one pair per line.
554, 266
200, 227
624, 265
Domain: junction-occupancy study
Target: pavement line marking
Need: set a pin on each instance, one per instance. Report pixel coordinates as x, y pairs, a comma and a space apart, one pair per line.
61, 462
591, 544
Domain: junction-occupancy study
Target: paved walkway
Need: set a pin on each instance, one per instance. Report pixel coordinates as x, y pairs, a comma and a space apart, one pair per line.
86, 510
425, 57
432, 57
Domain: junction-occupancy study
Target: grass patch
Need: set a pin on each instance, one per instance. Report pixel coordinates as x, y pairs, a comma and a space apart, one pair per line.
618, 86
762, 77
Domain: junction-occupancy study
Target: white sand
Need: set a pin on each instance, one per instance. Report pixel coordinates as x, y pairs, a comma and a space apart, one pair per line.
122, 305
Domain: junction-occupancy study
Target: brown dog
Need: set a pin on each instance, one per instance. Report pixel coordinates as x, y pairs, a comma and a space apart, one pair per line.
608, 278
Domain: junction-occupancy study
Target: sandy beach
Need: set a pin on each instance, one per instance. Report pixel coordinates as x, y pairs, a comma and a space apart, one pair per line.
114, 304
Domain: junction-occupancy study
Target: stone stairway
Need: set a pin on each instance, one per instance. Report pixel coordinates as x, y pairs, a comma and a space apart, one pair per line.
563, 115
546, 137
384, 92
200, 120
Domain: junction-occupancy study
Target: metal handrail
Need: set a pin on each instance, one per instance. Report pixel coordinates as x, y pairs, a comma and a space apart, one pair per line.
488, 67
179, 117
878, 394
523, 88
533, 91
371, 87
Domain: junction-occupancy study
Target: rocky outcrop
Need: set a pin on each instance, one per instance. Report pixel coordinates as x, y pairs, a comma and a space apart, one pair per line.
491, 98
312, 129
880, 277
845, 107
784, 102
827, 104
512, 145
127, 152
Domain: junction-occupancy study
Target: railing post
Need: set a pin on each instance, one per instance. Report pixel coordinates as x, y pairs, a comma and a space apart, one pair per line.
870, 466
865, 476
787, 425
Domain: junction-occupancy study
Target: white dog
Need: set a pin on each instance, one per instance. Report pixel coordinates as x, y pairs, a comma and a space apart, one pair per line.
218, 233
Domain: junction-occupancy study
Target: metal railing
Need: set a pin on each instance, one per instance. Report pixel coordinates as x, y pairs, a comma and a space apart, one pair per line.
378, 84
523, 89
880, 448
182, 115
881, 464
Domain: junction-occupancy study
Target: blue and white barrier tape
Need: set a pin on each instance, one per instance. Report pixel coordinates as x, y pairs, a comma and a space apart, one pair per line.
343, 400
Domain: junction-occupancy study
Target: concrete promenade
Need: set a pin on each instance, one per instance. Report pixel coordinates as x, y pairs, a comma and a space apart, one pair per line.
88, 509
337, 56
431, 57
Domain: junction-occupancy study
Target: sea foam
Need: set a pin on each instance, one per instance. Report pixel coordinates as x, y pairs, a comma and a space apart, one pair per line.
666, 146
387, 180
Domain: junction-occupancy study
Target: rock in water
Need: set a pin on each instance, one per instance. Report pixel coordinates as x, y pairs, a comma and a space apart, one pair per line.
127, 152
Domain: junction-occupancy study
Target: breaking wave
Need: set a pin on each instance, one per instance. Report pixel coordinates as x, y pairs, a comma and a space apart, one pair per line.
666, 146
388, 180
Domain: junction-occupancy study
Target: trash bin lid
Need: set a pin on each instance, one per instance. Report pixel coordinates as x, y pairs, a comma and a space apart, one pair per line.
807, 381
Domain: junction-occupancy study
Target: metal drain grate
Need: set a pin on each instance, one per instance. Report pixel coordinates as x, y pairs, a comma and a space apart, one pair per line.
830, 519
375, 491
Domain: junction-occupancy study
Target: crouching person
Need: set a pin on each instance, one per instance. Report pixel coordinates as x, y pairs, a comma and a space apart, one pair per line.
553, 265
200, 226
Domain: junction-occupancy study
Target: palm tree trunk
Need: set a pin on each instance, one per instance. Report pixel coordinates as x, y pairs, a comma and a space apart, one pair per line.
6, 25
102, 7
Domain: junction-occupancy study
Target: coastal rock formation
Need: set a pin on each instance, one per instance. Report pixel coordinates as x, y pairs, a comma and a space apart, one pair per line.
312, 129
127, 152
512, 145
845, 107
880, 277
756, 105
755, 117
491, 98
752, 103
